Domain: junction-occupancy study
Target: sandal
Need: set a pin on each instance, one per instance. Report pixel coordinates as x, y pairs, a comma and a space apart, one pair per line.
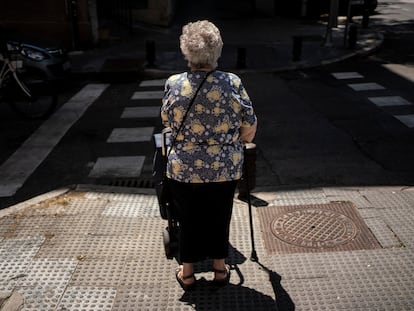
224, 281
181, 279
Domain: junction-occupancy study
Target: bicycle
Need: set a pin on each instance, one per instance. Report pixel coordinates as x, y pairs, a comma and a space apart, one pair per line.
29, 93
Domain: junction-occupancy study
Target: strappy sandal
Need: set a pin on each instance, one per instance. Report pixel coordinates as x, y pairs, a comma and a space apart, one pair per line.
224, 281
180, 280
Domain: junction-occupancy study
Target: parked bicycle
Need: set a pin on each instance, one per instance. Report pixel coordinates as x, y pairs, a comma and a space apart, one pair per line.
29, 93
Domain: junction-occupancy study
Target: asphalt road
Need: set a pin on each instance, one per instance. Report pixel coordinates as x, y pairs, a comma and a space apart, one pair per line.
314, 128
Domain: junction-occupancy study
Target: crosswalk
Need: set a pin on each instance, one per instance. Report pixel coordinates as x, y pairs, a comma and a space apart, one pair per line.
131, 166
380, 101
20, 166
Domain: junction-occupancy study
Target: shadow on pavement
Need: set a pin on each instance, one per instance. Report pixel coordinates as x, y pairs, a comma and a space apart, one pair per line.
206, 296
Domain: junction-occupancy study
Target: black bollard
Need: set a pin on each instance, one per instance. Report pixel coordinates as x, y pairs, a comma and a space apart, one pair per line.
297, 48
352, 37
150, 53
365, 18
241, 58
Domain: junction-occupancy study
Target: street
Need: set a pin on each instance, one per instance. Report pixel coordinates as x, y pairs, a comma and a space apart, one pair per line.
357, 112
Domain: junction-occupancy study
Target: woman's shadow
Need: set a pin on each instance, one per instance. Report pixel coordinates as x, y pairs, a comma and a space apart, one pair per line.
233, 297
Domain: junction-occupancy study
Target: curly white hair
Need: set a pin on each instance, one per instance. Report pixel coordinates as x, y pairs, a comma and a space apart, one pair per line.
201, 44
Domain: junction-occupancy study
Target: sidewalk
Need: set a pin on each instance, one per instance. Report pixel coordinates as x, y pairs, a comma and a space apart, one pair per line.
268, 45
101, 249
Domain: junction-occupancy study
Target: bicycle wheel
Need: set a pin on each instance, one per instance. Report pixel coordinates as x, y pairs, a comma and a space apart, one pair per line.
42, 100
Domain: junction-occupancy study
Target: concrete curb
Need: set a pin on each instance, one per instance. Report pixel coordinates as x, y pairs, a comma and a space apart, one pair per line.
33, 201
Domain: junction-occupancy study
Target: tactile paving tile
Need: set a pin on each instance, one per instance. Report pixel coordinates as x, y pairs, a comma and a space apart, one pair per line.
99, 273
48, 272
8, 226
240, 232
45, 297
145, 208
386, 199
79, 298
44, 282
117, 226
380, 276
76, 224
146, 298
34, 226
20, 247
353, 196
401, 222
86, 205
89, 247
16, 255
383, 233
299, 197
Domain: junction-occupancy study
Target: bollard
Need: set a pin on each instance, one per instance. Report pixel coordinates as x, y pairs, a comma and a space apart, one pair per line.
249, 169
241, 58
297, 48
150, 53
365, 18
352, 37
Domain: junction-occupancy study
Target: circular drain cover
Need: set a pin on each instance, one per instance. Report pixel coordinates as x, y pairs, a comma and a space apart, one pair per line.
314, 228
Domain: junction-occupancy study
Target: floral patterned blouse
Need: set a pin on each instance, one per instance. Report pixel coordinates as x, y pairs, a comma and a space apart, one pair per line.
208, 147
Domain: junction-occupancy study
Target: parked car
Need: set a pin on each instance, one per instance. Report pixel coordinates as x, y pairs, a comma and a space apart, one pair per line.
41, 56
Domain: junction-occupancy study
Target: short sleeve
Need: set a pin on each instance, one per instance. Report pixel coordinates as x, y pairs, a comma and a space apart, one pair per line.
247, 112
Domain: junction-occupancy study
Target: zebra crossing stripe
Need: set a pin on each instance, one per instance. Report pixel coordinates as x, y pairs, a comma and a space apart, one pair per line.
131, 135
407, 119
401, 70
159, 82
384, 101
15, 171
366, 86
347, 75
141, 112
118, 167
147, 95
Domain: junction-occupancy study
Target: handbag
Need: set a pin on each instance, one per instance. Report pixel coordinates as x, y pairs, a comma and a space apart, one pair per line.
159, 166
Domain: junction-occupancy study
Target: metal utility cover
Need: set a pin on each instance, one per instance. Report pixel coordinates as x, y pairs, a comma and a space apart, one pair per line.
315, 228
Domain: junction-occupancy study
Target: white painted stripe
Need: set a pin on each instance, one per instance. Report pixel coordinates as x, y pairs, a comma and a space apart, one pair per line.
141, 112
366, 86
118, 167
407, 119
383, 101
158, 82
147, 95
15, 171
347, 75
127, 135
407, 72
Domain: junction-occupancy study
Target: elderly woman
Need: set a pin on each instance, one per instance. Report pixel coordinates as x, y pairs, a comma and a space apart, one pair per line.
211, 116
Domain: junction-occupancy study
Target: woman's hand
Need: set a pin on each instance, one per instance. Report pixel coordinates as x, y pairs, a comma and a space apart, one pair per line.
247, 133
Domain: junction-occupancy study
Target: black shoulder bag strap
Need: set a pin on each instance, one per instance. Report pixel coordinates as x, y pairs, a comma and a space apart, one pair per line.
188, 109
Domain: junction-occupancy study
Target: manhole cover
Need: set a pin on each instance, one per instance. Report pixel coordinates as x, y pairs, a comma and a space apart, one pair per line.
314, 228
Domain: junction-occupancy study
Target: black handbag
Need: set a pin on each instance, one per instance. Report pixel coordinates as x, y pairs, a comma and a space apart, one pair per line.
159, 165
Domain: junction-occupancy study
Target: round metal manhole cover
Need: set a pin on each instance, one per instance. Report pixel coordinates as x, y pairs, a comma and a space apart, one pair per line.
314, 228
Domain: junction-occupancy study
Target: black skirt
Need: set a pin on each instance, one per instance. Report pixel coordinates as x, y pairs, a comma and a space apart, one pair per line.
203, 211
